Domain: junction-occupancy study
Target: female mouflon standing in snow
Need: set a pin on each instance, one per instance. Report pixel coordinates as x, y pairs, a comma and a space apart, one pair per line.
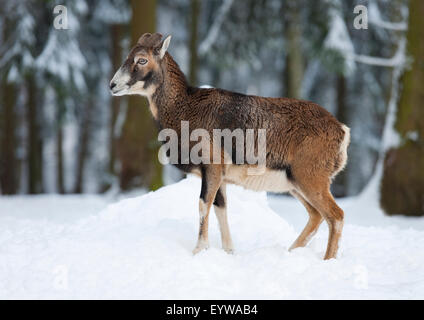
305, 145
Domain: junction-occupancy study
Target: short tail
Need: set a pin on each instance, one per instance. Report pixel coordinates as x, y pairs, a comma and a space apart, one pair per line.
342, 155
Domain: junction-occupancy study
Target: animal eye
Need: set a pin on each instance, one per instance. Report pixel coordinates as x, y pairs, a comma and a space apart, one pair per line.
142, 61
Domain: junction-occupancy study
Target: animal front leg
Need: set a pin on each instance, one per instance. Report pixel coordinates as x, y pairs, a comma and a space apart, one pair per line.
203, 240
211, 181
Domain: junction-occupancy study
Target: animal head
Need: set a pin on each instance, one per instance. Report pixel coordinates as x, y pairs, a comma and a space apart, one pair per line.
141, 72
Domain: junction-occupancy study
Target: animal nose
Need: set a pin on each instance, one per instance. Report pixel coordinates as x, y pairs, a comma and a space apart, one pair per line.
112, 85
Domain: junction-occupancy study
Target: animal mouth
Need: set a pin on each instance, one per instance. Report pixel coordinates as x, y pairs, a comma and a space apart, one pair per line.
119, 91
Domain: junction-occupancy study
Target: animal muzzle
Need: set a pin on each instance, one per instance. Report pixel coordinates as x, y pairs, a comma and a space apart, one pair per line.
119, 83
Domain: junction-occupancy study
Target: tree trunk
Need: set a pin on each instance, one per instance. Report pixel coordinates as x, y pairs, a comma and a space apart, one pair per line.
8, 168
293, 73
116, 57
8, 140
34, 139
340, 184
60, 179
138, 145
84, 144
194, 21
403, 176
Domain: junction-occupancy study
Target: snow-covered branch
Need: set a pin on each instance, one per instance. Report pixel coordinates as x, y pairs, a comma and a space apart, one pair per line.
397, 59
375, 18
216, 26
394, 26
339, 39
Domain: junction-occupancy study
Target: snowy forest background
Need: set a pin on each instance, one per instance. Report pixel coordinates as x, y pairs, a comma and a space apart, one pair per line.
62, 132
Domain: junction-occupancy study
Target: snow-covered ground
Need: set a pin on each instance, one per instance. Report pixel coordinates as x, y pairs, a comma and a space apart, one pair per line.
89, 247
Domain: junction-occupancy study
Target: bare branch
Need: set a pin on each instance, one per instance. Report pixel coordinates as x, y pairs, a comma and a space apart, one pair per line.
216, 26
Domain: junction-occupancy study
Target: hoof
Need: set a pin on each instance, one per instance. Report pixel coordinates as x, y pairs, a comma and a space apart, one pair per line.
295, 246
229, 250
200, 247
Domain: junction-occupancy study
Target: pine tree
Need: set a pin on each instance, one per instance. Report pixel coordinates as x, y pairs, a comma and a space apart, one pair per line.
64, 73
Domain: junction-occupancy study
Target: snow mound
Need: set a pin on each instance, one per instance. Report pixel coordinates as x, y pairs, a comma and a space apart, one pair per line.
141, 248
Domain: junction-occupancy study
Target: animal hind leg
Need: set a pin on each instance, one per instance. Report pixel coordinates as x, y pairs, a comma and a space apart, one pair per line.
220, 207
324, 202
311, 227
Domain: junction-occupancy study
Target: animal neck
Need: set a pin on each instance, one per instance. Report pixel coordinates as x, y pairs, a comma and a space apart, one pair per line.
170, 97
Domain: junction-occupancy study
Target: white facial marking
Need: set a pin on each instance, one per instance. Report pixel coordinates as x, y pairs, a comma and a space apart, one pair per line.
121, 79
138, 89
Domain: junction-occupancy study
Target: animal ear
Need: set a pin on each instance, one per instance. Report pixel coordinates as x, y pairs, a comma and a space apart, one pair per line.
164, 46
